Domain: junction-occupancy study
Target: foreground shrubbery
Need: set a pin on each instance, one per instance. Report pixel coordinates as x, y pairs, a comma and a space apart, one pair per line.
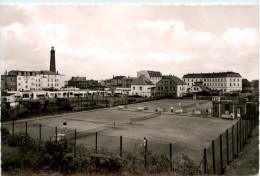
22, 153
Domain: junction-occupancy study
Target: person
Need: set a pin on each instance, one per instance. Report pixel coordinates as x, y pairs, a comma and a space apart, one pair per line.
64, 126
171, 109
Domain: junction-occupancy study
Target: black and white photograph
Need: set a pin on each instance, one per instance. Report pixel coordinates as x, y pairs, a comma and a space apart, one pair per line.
129, 88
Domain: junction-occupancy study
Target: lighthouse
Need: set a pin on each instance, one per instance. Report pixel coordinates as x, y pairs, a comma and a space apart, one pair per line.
52, 61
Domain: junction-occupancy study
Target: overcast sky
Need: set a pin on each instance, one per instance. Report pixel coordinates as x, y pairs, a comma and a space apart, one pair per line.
101, 41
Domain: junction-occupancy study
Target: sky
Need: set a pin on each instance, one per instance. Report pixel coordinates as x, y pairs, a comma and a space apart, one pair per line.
99, 41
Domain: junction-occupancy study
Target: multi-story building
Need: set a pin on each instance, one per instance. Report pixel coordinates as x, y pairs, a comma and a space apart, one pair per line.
8, 82
83, 83
142, 86
128, 81
37, 80
170, 86
116, 81
222, 81
154, 76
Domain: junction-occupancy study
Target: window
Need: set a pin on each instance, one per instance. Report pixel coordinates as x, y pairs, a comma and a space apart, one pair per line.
238, 85
26, 82
140, 88
19, 84
237, 79
230, 84
26, 86
230, 80
234, 80
133, 88
234, 84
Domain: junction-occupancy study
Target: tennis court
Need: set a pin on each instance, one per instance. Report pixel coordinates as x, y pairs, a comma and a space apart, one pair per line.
186, 133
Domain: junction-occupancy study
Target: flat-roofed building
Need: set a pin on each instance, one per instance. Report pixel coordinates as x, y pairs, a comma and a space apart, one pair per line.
222, 81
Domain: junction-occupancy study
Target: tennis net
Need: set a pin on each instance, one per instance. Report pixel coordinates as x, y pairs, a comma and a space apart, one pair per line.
144, 117
83, 133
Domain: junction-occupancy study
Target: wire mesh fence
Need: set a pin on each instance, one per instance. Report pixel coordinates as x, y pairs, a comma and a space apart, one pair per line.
227, 146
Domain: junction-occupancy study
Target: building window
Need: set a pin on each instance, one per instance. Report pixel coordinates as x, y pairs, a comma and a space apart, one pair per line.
140, 88
133, 88
230, 80
234, 80
26, 82
230, 84
26, 86
234, 84
237, 79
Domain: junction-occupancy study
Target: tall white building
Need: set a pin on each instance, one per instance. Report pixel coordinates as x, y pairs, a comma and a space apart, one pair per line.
37, 80
154, 76
223, 81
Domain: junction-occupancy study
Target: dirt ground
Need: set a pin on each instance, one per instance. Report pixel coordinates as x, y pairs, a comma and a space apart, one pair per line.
247, 162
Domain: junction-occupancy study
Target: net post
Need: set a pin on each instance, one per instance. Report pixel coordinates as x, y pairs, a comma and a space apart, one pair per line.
205, 161
96, 141
171, 155
221, 157
121, 145
227, 146
213, 157
75, 143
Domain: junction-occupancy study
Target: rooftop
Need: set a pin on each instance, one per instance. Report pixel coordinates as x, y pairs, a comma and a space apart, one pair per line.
142, 80
175, 79
212, 75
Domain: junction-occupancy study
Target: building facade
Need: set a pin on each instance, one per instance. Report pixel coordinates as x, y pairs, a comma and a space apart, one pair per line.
128, 81
37, 80
83, 83
199, 87
154, 76
8, 83
142, 87
222, 81
170, 86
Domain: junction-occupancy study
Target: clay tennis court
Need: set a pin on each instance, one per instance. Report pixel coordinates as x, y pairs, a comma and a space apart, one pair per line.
187, 134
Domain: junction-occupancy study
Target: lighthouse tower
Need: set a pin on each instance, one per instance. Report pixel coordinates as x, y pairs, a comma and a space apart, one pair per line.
52, 62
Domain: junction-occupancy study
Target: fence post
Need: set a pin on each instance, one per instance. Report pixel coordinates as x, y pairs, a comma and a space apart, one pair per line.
13, 129
205, 161
227, 146
213, 157
96, 142
237, 138
145, 153
171, 154
56, 131
26, 133
75, 143
221, 158
40, 133
233, 143
121, 145
240, 133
